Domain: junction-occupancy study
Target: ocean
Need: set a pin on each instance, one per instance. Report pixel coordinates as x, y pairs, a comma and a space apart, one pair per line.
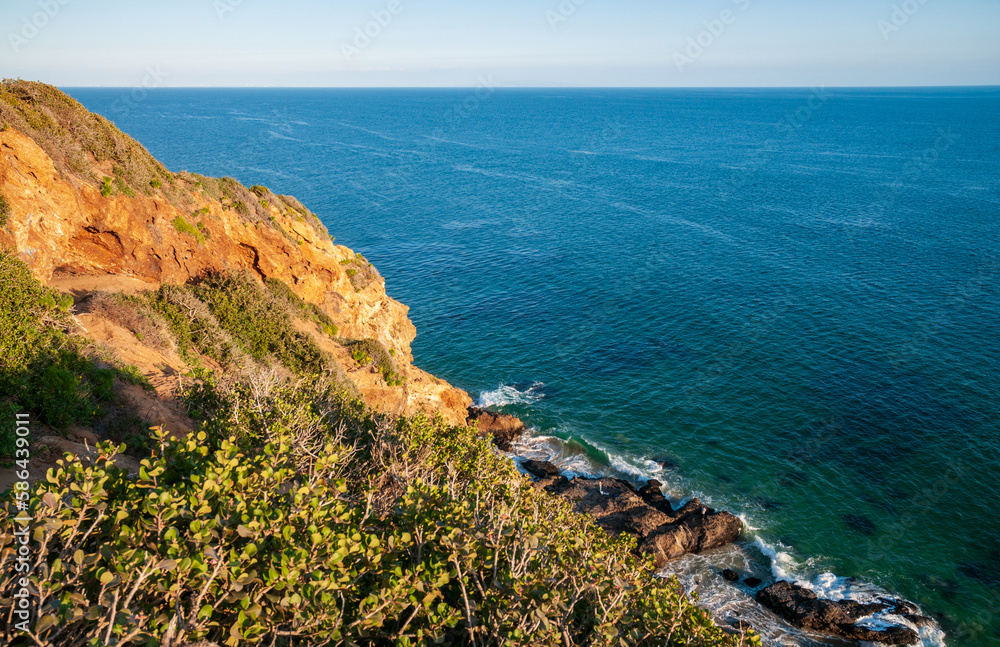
784, 302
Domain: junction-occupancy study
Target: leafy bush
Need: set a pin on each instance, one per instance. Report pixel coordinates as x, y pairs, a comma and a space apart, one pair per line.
184, 227
371, 352
121, 184
360, 271
241, 208
195, 329
42, 368
106, 187
4, 211
299, 307
210, 542
260, 324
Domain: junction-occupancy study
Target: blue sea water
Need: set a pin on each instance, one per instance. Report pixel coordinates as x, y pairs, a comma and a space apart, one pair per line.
787, 296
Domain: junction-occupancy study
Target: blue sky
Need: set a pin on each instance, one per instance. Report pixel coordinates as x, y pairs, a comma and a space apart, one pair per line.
506, 43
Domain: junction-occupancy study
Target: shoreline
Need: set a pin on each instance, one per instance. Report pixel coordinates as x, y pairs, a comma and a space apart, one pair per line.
861, 612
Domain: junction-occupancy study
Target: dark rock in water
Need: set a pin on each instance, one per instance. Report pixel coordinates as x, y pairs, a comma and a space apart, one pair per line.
730, 575
653, 495
664, 533
804, 609
753, 582
615, 506
918, 620
860, 523
694, 534
899, 607
666, 463
541, 469
503, 427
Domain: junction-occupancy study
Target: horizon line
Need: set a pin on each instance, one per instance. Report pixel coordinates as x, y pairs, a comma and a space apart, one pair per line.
531, 87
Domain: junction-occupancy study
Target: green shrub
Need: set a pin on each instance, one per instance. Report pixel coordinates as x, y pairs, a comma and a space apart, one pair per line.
4, 211
184, 227
299, 307
241, 208
106, 187
371, 352
43, 369
121, 184
155, 183
450, 546
360, 271
260, 324
195, 329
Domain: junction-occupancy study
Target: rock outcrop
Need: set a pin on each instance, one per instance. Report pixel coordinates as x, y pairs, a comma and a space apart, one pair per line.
803, 608
72, 231
662, 532
503, 427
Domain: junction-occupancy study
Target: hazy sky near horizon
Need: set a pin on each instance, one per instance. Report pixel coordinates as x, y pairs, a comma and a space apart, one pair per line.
654, 43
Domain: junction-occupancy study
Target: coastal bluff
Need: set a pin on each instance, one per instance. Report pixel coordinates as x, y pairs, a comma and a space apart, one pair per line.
91, 210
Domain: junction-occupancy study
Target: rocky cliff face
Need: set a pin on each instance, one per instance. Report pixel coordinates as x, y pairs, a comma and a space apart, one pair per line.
81, 225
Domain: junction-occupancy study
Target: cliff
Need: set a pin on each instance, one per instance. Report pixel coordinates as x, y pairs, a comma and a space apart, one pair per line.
89, 209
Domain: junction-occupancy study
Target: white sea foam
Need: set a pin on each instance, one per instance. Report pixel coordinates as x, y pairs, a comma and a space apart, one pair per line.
700, 573
505, 394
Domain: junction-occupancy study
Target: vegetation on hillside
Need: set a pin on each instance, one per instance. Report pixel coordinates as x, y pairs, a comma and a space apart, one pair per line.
360, 271
76, 138
294, 516
81, 143
45, 368
4, 210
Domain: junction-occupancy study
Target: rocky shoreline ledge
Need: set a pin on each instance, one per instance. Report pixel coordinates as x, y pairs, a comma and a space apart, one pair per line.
667, 534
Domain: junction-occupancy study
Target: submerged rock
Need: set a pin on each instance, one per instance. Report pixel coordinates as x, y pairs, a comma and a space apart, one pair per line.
730, 575
804, 609
503, 427
860, 523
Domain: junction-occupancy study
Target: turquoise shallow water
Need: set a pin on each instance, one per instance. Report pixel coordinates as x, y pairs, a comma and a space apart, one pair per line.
791, 296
